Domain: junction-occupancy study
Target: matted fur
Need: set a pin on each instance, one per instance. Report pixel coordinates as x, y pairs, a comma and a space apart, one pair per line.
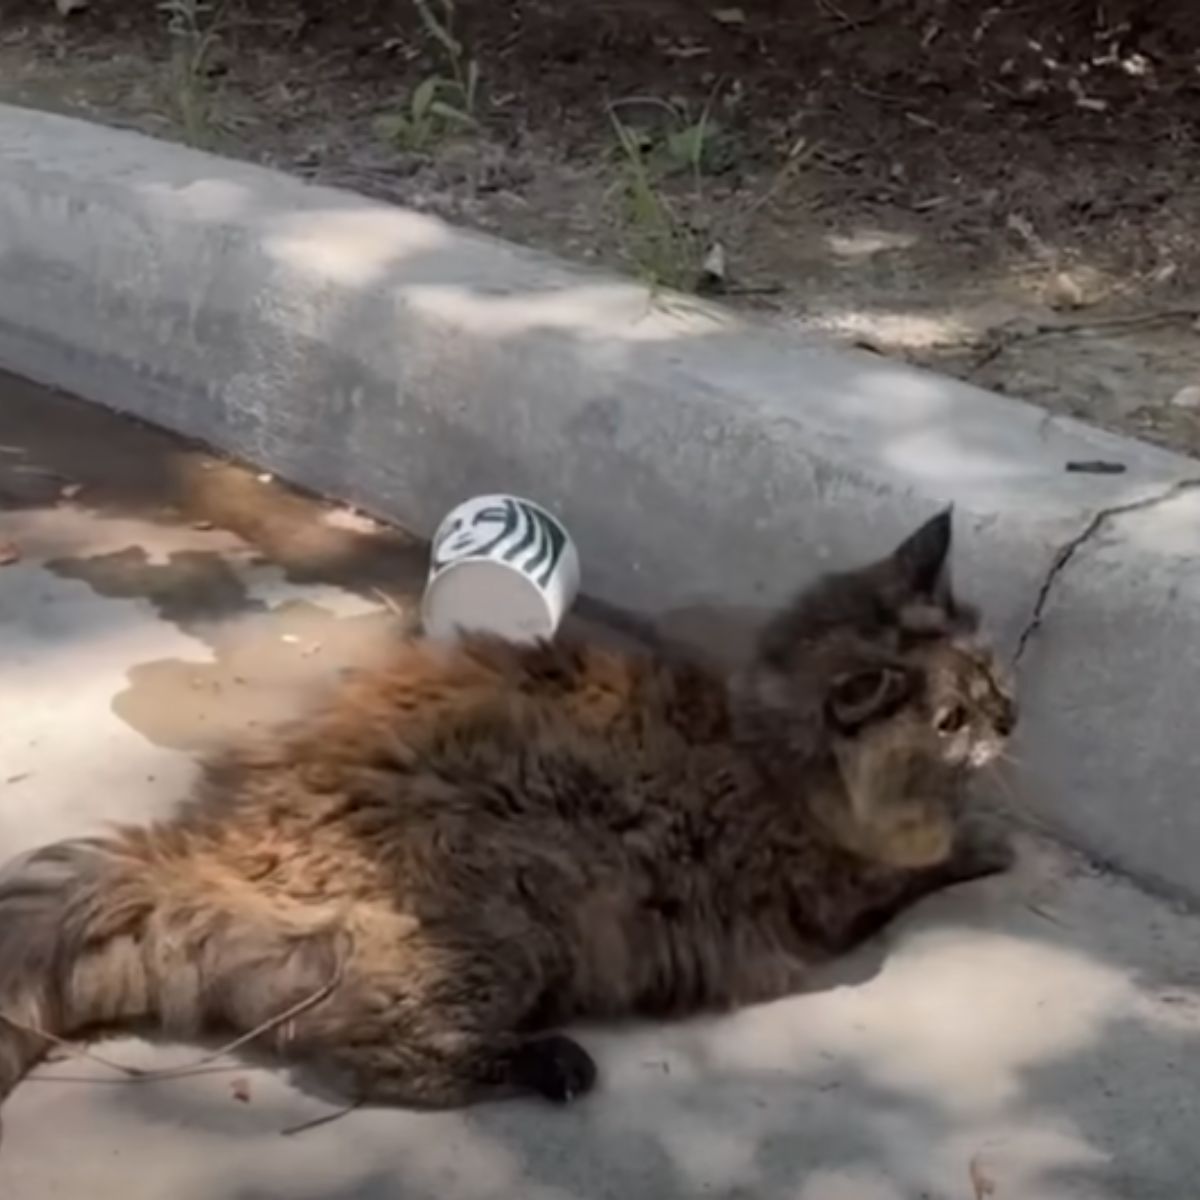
482, 841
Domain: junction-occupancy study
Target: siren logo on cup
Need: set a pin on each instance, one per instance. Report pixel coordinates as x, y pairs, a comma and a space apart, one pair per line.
512, 531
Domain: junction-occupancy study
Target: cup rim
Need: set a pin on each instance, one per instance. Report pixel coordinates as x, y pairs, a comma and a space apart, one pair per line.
435, 577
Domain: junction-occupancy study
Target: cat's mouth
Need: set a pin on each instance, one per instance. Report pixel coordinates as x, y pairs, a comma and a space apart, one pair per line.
984, 754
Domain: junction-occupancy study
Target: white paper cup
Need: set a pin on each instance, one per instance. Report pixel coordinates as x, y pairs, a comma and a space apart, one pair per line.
500, 564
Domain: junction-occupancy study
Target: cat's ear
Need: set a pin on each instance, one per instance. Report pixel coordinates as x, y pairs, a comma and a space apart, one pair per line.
919, 562
858, 697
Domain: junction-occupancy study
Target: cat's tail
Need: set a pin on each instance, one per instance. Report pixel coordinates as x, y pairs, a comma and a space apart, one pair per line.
99, 933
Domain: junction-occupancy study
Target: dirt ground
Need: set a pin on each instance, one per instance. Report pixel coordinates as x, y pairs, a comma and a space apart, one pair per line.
1005, 191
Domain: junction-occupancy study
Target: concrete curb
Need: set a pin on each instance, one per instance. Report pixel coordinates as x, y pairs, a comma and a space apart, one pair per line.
382, 357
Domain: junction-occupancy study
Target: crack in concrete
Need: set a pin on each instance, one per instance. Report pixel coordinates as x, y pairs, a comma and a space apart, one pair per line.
1067, 552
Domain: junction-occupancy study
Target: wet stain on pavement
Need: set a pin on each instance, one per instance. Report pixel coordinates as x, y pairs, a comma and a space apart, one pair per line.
193, 589
268, 661
265, 670
293, 593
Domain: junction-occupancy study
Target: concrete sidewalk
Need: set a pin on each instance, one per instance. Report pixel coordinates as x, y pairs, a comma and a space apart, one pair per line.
1033, 1038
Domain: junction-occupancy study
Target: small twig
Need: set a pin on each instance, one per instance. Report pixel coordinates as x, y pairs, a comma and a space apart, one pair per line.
317, 1122
801, 151
752, 289
215, 1069
1128, 321
388, 602
885, 97
301, 1006
1095, 466
1045, 914
72, 1050
137, 1075
852, 24
651, 101
991, 353
832, 10
1009, 335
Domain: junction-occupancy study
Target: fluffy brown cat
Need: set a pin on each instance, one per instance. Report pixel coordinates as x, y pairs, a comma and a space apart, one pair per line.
481, 842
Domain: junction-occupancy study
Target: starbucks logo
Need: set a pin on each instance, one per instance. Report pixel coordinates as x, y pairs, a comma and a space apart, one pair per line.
509, 530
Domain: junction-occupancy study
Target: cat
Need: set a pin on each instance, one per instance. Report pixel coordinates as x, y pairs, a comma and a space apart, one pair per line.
480, 842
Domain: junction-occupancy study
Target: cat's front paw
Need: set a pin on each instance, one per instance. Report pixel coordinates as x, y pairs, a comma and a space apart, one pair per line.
555, 1067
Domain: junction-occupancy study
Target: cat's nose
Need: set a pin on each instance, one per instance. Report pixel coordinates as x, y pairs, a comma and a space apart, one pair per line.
1005, 721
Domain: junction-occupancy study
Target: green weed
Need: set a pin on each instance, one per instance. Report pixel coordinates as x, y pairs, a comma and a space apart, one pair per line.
445, 102
194, 27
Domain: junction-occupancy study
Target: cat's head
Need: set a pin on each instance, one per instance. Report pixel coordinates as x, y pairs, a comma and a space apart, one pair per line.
878, 678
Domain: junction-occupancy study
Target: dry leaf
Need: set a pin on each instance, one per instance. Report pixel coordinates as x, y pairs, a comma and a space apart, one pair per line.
982, 1183
9, 553
714, 273
1187, 397
686, 50
241, 1089
1064, 291
388, 602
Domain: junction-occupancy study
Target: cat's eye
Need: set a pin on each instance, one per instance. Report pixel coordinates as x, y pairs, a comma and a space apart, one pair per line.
857, 698
950, 720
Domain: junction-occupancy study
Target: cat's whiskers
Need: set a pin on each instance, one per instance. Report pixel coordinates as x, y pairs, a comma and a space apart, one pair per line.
1007, 758
1015, 800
